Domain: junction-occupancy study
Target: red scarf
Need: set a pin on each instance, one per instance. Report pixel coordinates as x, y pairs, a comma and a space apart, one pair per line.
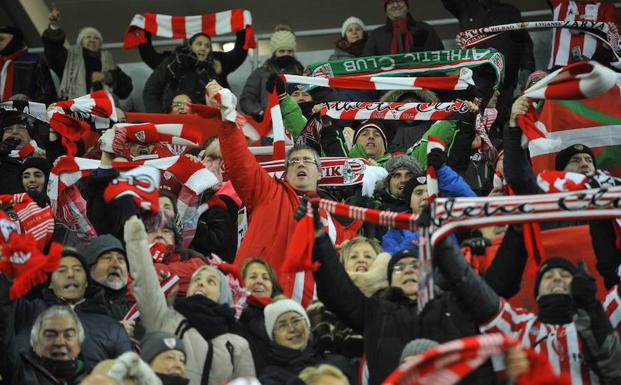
400, 27
6, 74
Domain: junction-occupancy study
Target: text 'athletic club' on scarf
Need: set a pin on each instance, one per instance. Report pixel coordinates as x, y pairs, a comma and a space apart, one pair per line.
68, 204
72, 118
581, 105
184, 27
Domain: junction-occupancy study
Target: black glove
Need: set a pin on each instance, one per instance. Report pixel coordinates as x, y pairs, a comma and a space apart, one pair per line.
424, 218
7, 146
436, 158
258, 116
275, 81
40, 199
583, 287
477, 245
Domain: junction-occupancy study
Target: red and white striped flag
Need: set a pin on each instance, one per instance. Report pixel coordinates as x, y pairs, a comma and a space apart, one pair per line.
393, 110
184, 27
461, 82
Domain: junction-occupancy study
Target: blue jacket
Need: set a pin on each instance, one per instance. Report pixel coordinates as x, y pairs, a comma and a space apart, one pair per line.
451, 185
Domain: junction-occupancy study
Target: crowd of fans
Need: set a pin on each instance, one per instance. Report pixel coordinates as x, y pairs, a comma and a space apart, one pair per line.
138, 297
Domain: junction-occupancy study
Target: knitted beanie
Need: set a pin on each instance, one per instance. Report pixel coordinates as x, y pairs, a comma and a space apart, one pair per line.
416, 347
563, 156
410, 185
351, 20
405, 253
276, 309
38, 163
398, 162
86, 30
156, 342
366, 125
551, 263
282, 39
99, 245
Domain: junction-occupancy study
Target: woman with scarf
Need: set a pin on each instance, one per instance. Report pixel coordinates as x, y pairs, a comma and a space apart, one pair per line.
291, 348
84, 67
202, 319
27, 74
188, 69
253, 99
352, 40
262, 286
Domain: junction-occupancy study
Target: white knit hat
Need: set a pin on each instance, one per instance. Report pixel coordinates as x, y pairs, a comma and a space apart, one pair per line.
351, 20
282, 39
85, 30
276, 309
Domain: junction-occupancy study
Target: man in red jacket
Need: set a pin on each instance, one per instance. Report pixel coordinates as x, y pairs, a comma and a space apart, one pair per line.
271, 201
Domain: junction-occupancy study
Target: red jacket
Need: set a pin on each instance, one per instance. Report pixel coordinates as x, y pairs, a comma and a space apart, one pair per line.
271, 203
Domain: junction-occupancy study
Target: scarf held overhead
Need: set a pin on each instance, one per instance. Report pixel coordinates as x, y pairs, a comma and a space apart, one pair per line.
184, 27
393, 111
418, 63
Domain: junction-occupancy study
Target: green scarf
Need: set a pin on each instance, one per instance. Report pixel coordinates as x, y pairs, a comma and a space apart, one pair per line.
358, 152
419, 63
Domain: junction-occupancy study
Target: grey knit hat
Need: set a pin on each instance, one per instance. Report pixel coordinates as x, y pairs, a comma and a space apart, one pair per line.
416, 347
156, 342
99, 245
402, 161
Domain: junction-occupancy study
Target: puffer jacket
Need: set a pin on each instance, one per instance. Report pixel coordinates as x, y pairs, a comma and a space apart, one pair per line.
29, 370
387, 323
105, 337
231, 357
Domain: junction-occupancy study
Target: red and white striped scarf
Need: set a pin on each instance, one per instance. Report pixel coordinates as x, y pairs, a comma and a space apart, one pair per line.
184, 27
34, 220
71, 118
449, 363
7, 69
461, 82
273, 115
166, 285
576, 81
194, 177
175, 134
393, 110
23, 152
335, 171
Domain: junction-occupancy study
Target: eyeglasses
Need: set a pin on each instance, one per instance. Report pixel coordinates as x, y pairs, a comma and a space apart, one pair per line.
400, 267
293, 322
304, 160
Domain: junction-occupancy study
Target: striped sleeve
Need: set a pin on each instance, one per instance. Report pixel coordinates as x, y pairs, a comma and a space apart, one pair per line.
612, 305
509, 320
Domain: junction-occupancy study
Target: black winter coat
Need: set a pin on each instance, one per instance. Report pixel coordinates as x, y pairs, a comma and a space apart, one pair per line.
181, 73
425, 38
9, 175
105, 337
29, 370
285, 364
216, 231
517, 46
31, 77
251, 326
387, 324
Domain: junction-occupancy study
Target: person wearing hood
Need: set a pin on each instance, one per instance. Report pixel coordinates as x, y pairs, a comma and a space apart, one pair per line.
401, 33
85, 67
16, 146
166, 355
253, 99
291, 350
54, 356
28, 73
202, 319
352, 40
389, 193
262, 285
69, 286
107, 264
570, 326
188, 69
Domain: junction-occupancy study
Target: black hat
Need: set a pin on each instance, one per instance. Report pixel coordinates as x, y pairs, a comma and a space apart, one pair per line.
563, 157
366, 125
9, 118
405, 253
552, 263
411, 184
38, 163
156, 342
98, 246
72, 252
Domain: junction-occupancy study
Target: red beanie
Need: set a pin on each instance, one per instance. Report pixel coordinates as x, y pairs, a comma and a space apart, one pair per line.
407, 4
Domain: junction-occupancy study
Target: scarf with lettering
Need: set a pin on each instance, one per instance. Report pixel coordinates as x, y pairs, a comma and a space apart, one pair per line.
184, 27
393, 110
414, 63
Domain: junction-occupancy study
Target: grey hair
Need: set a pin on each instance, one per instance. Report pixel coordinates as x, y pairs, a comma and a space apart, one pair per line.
300, 147
226, 294
55, 312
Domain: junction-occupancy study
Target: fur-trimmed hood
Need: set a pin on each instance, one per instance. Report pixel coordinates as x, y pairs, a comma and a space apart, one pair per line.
424, 95
375, 279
